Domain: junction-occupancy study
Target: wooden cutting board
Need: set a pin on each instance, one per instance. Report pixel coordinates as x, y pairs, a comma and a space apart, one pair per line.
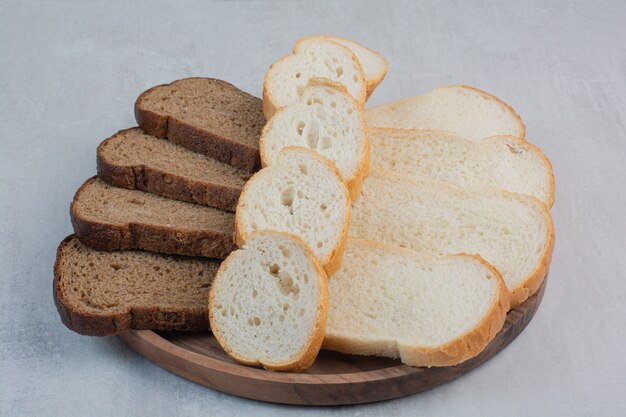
333, 379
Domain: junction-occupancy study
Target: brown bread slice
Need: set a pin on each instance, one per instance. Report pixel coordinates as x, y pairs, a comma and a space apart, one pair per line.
110, 218
133, 159
208, 116
104, 293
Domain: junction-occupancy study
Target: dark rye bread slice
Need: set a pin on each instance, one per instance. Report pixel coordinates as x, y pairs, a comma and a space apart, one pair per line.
133, 159
110, 218
104, 293
208, 116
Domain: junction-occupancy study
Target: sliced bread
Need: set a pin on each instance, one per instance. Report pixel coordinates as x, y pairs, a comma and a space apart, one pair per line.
513, 232
327, 120
269, 302
287, 78
374, 65
503, 162
208, 116
133, 159
466, 111
110, 218
425, 310
104, 293
302, 194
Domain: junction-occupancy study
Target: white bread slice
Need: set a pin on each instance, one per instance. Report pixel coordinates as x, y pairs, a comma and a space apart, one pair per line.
503, 162
302, 194
327, 120
428, 311
466, 111
269, 302
513, 232
287, 78
374, 65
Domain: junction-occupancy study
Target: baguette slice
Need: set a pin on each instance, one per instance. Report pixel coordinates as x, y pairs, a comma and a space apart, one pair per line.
110, 218
208, 116
513, 232
466, 111
374, 65
105, 293
269, 302
302, 194
327, 120
503, 162
135, 160
427, 311
287, 78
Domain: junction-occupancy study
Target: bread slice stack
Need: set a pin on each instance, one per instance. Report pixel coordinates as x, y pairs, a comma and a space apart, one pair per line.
406, 230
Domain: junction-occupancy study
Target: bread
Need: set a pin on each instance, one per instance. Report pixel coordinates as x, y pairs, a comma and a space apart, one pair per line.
208, 116
104, 293
135, 160
301, 194
425, 310
374, 65
466, 111
513, 232
110, 218
327, 120
287, 78
503, 162
269, 302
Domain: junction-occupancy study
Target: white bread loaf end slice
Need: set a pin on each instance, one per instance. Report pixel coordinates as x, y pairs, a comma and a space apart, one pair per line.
425, 310
269, 302
513, 232
501, 162
287, 78
327, 120
374, 65
466, 111
302, 194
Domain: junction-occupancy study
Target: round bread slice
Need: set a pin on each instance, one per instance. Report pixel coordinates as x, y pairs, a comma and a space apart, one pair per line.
329, 121
302, 194
374, 65
269, 302
287, 78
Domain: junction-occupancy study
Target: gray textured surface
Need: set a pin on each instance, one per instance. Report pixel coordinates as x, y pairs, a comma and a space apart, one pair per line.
70, 71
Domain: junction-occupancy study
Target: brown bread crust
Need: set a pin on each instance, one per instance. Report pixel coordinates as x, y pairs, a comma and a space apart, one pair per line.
198, 140
167, 184
153, 238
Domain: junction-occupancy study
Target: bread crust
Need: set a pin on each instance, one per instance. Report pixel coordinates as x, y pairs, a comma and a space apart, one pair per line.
153, 238
354, 183
146, 178
464, 347
333, 261
311, 348
154, 318
191, 137
372, 83
269, 102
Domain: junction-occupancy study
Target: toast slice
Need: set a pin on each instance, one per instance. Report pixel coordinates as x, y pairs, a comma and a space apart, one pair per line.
302, 194
205, 115
513, 232
110, 218
327, 120
465, 111
425, 310
374, 65
502, 162
269, 302
287, 78
105, 293
134, 160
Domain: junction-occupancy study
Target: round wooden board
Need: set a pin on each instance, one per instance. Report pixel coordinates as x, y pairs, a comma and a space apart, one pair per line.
334, 378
